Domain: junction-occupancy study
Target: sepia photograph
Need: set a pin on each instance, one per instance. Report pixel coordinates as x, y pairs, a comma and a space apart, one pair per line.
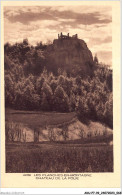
60, 96
58, 87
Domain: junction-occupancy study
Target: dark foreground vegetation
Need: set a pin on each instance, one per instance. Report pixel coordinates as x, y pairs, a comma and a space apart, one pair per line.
55, 158
32, 84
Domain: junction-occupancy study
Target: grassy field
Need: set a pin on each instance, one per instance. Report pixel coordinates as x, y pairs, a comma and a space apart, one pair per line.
36, 119
53, 157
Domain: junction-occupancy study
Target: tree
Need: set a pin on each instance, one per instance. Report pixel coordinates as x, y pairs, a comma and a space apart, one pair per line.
26, 97
39, 83
72, 102
9, 91
61, 100
61, 80
44, 103
67, 86
78, 80
46, 97
51, 134
96, 62
108, 113
53, 85
35, 61
82, 108
81, 133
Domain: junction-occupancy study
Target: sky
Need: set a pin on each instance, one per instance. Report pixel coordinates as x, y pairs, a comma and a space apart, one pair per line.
93, 24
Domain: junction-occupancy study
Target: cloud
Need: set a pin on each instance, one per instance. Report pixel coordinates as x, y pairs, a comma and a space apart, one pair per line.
42, 23
27, 14
101, 40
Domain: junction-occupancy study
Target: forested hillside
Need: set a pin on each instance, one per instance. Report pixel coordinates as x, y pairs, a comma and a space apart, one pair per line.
31, 84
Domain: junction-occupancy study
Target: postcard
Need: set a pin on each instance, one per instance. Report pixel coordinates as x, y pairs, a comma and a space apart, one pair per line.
60, 94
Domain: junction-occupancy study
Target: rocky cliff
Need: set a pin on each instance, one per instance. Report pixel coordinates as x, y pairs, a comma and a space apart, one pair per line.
71, 55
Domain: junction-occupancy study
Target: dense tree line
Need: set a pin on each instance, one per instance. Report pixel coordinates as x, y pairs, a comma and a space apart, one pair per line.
30, 86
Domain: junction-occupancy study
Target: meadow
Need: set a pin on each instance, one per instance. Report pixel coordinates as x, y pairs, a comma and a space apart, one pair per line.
35, 119
56, 157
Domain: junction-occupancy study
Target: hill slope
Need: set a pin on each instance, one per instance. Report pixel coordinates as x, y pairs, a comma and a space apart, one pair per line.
71, 55
56, 127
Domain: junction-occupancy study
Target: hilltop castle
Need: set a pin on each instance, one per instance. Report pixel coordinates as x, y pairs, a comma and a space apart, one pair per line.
71, 54
61, 36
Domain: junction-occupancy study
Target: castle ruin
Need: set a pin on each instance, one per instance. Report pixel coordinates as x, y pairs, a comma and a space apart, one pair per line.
61, 36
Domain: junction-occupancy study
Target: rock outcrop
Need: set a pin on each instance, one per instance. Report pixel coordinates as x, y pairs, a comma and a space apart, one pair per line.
72, 55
